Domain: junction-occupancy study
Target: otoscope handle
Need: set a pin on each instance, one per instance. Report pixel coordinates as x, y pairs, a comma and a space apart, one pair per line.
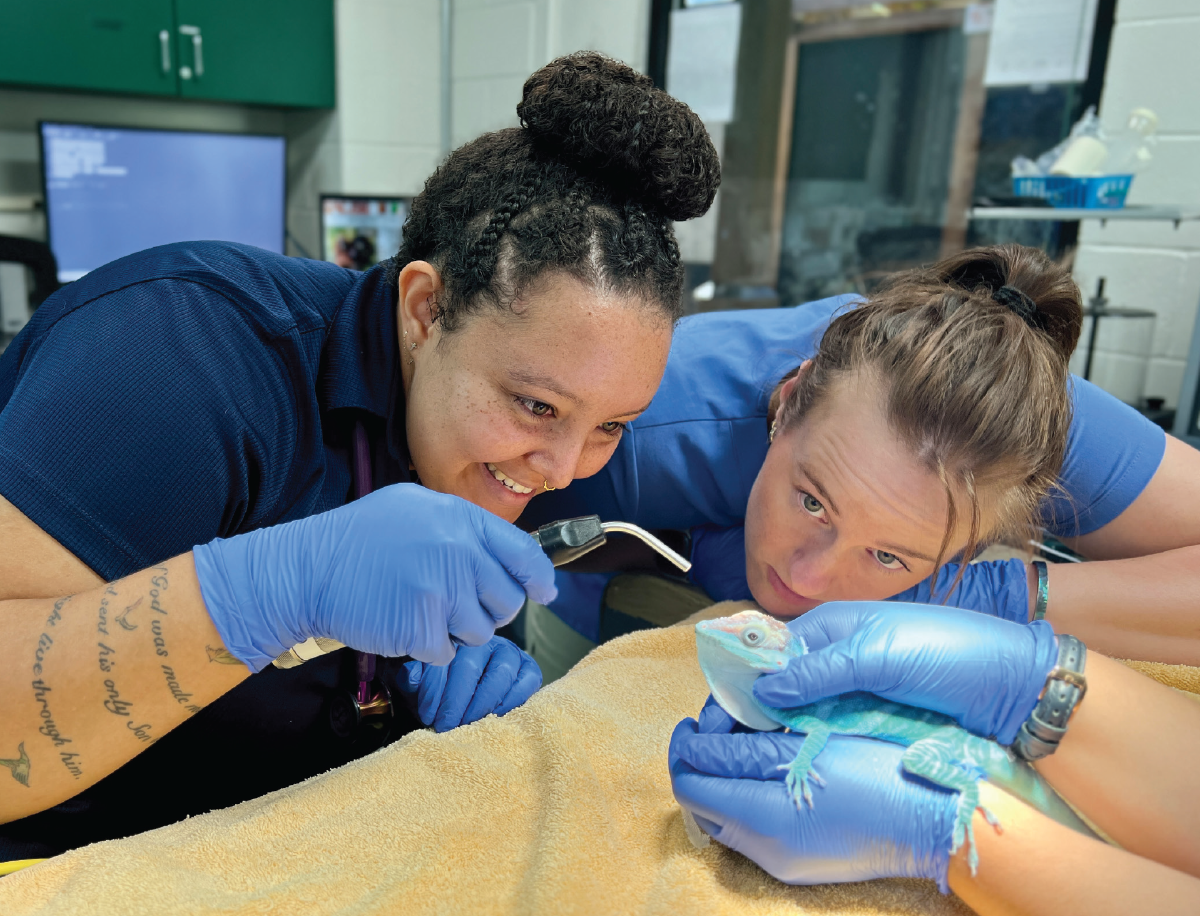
569, 539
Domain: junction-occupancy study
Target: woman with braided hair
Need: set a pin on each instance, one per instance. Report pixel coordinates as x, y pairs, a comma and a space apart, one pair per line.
184, 433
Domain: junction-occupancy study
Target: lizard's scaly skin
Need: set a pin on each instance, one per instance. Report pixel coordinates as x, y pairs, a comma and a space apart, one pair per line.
735, 650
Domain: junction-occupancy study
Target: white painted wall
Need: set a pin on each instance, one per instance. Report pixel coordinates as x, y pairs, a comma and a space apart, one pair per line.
1153, 62
384, 135
498, 43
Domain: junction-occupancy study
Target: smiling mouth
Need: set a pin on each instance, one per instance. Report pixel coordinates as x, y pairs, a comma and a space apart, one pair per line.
508, 481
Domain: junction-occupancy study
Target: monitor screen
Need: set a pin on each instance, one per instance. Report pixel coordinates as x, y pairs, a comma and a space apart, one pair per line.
360, 232
112, 191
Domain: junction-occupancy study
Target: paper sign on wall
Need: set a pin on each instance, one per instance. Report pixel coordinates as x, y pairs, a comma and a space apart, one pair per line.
1040, 41
702, 59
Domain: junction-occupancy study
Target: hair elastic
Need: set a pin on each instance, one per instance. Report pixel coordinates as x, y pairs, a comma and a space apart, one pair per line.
1026, 308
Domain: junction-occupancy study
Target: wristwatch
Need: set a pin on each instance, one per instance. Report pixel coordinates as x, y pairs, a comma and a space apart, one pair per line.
1040, 734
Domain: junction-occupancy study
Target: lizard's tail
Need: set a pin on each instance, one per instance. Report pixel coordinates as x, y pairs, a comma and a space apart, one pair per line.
1018, 778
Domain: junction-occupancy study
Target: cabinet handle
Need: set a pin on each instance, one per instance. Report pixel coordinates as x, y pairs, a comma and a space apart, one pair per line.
164, 45
197, 47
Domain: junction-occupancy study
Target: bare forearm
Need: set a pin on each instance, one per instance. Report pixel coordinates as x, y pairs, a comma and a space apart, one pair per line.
1145, 608
92, 680
1037, 866
1128, 763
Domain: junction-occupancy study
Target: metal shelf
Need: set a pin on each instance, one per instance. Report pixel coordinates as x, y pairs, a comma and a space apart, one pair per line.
1065, 214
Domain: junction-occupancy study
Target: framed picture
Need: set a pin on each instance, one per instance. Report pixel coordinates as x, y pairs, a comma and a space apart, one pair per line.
359, 232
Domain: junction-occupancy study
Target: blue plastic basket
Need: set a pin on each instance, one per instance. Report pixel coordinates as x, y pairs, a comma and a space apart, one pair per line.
1106, 192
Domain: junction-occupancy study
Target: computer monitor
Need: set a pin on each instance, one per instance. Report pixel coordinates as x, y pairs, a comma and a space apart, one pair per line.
360, 232
111, 191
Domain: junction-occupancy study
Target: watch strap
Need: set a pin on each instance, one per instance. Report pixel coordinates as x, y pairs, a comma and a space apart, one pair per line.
1040, 734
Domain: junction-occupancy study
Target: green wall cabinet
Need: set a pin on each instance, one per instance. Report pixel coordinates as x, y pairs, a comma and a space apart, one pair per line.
105, 45
264, 52
274, 52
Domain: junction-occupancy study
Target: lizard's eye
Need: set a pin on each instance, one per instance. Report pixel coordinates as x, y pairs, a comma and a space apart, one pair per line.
753, 636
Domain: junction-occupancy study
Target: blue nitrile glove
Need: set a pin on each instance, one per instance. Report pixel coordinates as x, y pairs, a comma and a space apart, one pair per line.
494, 677
403, 571
870, 819
996, 587
984, 672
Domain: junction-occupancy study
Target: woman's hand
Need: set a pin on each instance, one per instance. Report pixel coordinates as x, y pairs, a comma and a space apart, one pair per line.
492, 678
984, 672
403, 571
869, 819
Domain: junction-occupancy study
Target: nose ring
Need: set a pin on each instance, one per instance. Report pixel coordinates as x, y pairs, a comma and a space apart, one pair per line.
546, 486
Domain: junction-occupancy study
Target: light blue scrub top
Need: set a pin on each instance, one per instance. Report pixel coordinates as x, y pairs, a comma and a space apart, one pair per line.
692, 458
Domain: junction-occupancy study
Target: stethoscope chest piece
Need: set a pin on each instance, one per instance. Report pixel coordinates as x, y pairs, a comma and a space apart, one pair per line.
362, 719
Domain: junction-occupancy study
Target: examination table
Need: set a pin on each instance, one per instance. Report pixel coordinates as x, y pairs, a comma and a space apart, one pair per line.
562, 806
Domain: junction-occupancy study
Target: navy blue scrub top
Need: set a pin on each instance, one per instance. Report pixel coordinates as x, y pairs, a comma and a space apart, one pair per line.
689, 462
193, 391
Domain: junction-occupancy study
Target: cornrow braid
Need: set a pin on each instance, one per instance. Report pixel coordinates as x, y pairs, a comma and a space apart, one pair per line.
634, 248
576, 202
484, 254
670, 246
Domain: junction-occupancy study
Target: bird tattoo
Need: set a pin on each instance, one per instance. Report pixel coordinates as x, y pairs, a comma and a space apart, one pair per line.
120, 618
221, 655
20, 766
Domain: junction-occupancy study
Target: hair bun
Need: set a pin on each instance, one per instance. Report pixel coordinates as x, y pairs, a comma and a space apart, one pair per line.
1050, 300
611, 120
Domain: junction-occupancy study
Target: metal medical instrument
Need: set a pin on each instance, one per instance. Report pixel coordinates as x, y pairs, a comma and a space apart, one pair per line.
567, 540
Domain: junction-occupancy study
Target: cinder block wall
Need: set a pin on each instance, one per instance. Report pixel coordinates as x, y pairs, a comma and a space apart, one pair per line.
1154, 61
384, 136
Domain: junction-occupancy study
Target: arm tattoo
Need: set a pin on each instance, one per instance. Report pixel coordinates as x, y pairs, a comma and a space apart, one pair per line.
19, 766
41, 696
49, 728
114, 703
221, 656
183, 698
56, 611
122, 618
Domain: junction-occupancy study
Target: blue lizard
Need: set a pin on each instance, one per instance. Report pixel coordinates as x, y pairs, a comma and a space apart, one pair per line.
735, 650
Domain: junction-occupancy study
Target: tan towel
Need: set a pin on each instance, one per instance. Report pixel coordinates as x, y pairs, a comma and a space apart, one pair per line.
1181, 677
562, 806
